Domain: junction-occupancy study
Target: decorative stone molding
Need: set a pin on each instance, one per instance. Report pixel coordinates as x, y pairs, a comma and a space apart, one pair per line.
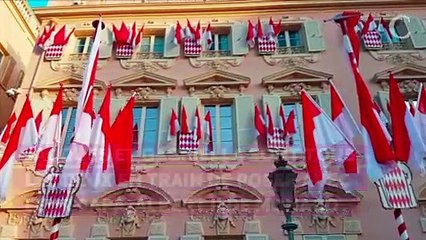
194, 228
351, 226
157, 229
408, 75
252, 227
74, 64
291, 60
223, 167
99, 230
398, 56
321, 219
216, 63
216, 85
290, 82
222, 220
226, 191
333, 193
148, 65
146, 86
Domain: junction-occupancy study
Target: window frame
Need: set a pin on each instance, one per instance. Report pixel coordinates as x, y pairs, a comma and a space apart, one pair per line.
286, 28
87, 45
390, 44
153, 33
216, 32
141, 131
217, 148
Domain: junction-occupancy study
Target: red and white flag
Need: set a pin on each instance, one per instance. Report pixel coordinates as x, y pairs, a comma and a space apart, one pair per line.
259, 30
274, 29
198, 128
137, 40
61, 37
348, 21
23, 137
270, 122
320, 134
46, 38
290, 124
121, 35
100, 174
39, 120
189, 30
173, 126
78, 158
344, 120
412, 109
121, 139
208, 36
184, 129
209, 131
51, 137
5, 134
408, 143
179, 34
259, 123
198, 33
384, 27
420, 114
251, 34
369, 25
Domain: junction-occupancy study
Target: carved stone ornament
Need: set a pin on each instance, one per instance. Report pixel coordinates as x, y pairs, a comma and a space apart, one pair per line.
74, 64
129, 221
37, 226
291, 60
222, 220
148, 65
398, 57
409, 86
296, 88
217, 91
408, 75
321, 219
216, 63
142, 93
223, 167
71, 94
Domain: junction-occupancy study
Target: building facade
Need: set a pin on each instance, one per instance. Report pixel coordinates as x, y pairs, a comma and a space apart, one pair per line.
224, 193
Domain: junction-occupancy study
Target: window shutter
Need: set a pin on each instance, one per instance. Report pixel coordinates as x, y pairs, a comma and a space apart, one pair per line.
191, 237
417, 31
166, 106
382, 100
170, 49
335, 237
324, 101
244, 118
274, 103
314, 38
105, 49
158, 237
6, 70
299, 121
313, 237
238, 39
256, 237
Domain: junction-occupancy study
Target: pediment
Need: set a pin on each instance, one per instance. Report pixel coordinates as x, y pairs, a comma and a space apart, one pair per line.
296, 75
144, 79
227, 191
134, 194
403, 72
29, 200
217, 78
69, 81
332, 193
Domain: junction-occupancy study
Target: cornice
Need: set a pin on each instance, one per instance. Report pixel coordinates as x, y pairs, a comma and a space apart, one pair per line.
232, 7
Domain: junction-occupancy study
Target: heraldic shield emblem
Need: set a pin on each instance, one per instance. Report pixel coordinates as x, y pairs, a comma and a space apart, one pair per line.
395, 189
56, 202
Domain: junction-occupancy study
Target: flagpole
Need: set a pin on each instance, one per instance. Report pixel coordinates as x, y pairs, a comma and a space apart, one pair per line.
54, 231
402, 227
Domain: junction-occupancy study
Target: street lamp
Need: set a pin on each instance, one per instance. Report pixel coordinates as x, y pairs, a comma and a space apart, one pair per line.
283, 181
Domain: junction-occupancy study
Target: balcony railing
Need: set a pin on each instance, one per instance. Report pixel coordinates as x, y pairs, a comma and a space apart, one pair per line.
78, 57
27, 15
290, 50
404, 44
149, 55
214, 54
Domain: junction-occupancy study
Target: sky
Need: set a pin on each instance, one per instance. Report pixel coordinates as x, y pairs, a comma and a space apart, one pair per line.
37, 3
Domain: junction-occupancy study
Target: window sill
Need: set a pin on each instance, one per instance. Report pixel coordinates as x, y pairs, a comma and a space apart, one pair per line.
147, 62
74, 63
291, 60
216, 61
398, 56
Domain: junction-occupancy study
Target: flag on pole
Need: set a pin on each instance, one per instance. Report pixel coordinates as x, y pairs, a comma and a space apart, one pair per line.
348, 21
46, 38
189, 30
270, 123
259, 123
5, 134
137, 40
173, 126
420, 115
121, 143
39, 120
198, 132
51, 137
408, 144
208, 36
198, 33
274, 29
251, 34
369, 25
184, 122
23, 136
209, 131
259, 30
100, 174
121, 35
290, 125
179, 34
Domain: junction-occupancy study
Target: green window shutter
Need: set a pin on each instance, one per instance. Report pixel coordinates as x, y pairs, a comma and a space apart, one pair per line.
244, 119
105, 48
324, 101
170, 49
417, 31
238, 39
256, 237
299, 121
274, 103
314, 38
159, 44
313, 237
383, 99
166, 106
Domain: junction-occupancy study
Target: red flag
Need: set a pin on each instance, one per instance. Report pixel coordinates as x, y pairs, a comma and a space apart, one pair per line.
208, 36
4, 136
290, 126
51, 136
61, 38
209, 131
46, 38
420, 115
270, 121
198, 33
250, 34
350, 37
367, 26
259, 29
259, 123
178, 34
39, 120
197, 128
173, 125
121, 143
184, 122
189, 30
138, 37
412, 109
121, 35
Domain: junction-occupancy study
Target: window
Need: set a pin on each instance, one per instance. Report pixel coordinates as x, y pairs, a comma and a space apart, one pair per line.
68, 124
221, 42
145, 131
296, 140
83, 45
396, 39
324, 237
222, 126
152, 43
290, 39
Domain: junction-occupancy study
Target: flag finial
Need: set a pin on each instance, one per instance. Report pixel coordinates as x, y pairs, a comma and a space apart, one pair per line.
96, 23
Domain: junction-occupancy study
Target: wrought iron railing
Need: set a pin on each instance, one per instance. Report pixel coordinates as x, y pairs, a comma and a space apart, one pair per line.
78, 57
404, 44
214, 54
290, 50
149, 55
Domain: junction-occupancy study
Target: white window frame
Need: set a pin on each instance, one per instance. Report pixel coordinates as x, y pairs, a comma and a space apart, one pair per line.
215, 37
302, 35
141, 132
217, 135
86, 45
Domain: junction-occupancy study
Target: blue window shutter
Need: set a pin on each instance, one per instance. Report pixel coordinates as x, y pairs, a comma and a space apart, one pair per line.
150, 131
159, 44
244, 119
105, 48
417, 31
